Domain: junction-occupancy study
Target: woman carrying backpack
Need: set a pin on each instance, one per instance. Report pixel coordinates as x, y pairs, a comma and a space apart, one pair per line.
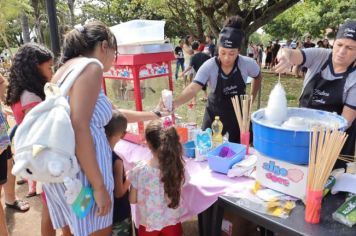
90, 111
30, 71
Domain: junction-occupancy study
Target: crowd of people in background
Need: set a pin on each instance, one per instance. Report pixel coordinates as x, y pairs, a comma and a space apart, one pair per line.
265, 55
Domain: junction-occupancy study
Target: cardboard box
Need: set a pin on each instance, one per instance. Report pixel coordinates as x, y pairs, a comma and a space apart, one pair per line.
282, 176
235, 225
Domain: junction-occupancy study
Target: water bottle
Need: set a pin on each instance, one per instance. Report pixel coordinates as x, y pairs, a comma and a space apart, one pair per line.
217, 128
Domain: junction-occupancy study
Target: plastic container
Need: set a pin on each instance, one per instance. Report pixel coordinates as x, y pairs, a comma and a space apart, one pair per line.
217, 128
284, 143
223, 164
189, 149
139, 32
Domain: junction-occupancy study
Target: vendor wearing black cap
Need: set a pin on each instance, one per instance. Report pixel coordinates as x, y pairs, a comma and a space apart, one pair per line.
330, 83
226, 76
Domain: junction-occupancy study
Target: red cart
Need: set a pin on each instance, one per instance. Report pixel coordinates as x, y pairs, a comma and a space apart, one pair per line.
137, 67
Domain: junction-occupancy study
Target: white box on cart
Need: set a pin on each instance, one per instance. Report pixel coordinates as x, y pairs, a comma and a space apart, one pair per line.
282, 176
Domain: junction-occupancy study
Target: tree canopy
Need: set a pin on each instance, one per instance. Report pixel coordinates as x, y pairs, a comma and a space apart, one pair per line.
312, 17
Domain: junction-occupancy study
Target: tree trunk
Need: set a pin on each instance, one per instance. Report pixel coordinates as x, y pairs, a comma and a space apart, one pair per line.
37, 26
25, 28
70, 4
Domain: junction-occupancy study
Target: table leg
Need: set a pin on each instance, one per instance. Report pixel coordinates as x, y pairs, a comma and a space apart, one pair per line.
265, 232
205, 221
218, 215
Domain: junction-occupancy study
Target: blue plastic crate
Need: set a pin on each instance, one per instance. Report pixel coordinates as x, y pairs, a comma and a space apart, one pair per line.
223, 164
189, 149
287, 144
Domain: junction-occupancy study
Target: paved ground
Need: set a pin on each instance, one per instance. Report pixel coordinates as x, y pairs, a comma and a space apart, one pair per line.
28, 224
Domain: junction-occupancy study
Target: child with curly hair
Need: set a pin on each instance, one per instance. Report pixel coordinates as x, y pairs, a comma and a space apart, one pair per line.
156, 185
30, 71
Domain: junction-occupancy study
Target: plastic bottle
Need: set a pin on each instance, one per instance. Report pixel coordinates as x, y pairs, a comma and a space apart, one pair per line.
217, 128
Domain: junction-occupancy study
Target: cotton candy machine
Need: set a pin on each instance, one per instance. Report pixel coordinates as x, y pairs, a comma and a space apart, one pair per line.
290, 141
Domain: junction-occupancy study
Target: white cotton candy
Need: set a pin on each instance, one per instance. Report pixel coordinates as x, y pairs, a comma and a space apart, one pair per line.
276, 110
167, 97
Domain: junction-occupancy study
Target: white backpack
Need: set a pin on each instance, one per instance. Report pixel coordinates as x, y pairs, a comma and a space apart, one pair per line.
45, 142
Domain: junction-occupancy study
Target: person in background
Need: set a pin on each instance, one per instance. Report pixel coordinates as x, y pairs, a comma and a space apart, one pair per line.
188, 53
326, 43
116, 130
268, 60
330, 83
250, 50
226, 76
259, 54
298, 68
209, 46
308, 43
11, 200
319, 44
178, 52
196, 62
275, 50
156, 185
201, 45
30, 71
4, 153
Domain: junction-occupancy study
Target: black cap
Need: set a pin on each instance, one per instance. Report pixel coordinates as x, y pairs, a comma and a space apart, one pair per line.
231, 37
347, 30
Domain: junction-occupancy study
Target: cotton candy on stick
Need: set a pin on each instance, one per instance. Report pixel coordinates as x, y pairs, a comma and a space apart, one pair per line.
276, 110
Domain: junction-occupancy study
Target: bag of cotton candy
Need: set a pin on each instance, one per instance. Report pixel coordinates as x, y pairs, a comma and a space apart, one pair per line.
276, 110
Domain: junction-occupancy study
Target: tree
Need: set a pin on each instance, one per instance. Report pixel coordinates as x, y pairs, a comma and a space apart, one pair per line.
70, 4
25, 27
312, 17
255, 13
10, 10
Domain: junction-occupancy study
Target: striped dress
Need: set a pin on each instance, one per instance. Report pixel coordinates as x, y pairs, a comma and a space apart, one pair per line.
60, 212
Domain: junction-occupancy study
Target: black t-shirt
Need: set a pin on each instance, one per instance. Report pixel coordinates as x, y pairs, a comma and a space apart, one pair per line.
308, 45
275, 49
198, 60
179, 52
122, 208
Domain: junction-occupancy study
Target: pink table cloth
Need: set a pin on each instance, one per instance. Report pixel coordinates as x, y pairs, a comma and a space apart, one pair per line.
203, 187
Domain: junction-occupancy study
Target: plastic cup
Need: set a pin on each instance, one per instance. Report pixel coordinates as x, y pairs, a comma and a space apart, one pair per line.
183, 134
245, 140
313, 206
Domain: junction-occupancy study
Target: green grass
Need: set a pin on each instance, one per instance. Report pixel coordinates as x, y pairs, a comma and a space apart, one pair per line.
291, 84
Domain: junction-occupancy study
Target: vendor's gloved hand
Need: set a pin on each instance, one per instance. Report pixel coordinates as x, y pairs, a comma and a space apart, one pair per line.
284, 64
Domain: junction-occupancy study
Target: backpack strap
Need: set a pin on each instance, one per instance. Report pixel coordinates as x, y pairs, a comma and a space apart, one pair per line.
69, 76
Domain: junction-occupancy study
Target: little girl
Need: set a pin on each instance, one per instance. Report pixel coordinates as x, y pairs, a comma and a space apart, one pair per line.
156, 185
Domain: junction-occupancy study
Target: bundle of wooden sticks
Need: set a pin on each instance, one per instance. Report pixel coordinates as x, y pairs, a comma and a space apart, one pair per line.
324, 149
243, 111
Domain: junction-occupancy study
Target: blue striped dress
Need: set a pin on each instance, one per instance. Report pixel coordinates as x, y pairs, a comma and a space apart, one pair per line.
60, 212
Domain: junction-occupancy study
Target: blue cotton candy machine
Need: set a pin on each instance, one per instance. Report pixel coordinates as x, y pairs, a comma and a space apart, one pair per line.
290, 141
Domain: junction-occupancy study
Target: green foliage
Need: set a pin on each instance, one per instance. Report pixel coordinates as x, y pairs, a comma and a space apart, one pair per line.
311, 17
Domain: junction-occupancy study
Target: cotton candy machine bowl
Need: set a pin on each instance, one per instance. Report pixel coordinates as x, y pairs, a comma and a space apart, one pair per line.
286, 143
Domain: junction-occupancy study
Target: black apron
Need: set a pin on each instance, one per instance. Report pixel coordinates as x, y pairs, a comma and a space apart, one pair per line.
219, 101
327, 95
